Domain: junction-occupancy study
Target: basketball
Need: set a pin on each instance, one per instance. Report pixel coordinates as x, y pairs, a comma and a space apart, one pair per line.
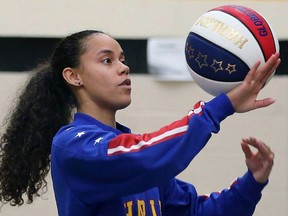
224, 43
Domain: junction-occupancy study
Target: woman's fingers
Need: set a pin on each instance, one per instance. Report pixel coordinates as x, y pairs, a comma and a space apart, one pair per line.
262, 148
246, 149
267, 69
262, 74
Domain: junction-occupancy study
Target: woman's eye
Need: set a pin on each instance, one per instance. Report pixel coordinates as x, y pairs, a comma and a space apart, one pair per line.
107, 61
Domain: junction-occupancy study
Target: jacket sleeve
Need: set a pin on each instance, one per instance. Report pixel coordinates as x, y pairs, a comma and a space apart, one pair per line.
180, 198
107, 165
239, 200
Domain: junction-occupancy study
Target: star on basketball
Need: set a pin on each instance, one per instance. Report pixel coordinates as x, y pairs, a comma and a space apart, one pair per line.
231, 68
190, 52
201, 60
217, 65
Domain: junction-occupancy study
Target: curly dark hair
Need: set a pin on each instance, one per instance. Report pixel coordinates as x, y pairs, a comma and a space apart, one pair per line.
45, 104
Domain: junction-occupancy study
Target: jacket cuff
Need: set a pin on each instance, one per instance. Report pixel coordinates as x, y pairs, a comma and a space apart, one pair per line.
249, 188
221, 106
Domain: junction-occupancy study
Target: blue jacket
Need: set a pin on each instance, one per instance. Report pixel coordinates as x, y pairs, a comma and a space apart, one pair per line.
99, 170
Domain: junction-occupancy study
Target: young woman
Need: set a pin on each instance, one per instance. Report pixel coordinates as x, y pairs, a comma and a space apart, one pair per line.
98, 166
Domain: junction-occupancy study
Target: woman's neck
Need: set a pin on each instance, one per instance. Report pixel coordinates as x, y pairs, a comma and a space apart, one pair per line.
105, 116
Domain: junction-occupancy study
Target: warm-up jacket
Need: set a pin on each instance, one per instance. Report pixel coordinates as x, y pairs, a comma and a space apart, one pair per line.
100, 170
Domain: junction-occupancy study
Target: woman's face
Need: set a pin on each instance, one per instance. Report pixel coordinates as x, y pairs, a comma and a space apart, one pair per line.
104, 75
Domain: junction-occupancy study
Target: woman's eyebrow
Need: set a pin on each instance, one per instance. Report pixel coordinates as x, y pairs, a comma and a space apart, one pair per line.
107, 51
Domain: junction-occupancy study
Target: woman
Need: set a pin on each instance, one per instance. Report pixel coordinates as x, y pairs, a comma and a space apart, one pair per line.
98, 166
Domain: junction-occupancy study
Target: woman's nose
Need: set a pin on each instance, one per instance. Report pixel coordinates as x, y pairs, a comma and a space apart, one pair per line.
124, 69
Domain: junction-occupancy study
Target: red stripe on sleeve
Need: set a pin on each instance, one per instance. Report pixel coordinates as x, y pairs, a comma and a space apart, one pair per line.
132, 143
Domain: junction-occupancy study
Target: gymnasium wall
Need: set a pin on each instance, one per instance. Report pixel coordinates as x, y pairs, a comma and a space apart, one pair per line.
222, 160
121, 18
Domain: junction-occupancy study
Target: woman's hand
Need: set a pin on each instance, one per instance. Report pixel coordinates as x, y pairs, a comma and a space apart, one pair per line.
244, 96
260, 163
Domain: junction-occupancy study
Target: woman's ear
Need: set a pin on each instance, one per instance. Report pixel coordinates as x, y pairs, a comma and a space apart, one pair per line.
72, 76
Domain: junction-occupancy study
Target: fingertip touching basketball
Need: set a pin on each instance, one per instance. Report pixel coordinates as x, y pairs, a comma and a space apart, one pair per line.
224, 43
